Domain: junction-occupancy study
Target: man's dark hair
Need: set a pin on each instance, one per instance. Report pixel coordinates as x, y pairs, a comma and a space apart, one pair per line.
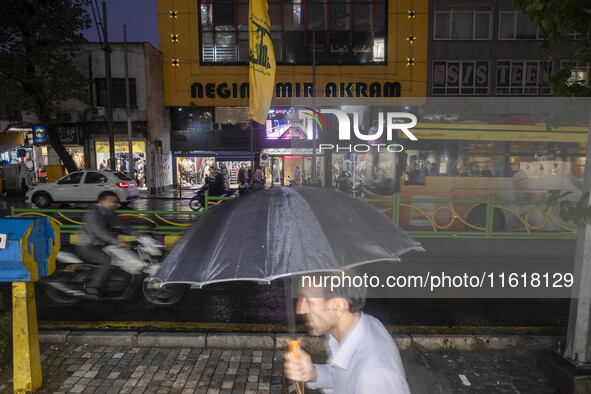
355, 296
106, 194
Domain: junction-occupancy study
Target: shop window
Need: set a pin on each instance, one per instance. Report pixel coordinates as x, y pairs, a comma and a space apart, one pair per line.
339, 15
293, 18
522, 77
379, 49
118, 92
460, 78
191, 118
347, 32
95, 177
463, 22
515, 25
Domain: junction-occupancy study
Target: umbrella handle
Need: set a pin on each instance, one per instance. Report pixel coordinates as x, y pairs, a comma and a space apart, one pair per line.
293, 349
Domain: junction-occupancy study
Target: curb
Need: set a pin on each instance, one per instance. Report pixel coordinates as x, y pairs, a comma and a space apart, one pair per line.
279, 341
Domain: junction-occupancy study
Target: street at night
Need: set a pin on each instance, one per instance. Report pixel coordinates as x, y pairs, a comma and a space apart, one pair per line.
307, 196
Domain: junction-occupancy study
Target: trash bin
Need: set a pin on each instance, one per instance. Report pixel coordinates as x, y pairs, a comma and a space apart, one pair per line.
12, 184
28, 248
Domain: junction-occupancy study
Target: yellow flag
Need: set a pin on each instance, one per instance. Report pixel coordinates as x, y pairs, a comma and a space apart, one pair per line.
261, 60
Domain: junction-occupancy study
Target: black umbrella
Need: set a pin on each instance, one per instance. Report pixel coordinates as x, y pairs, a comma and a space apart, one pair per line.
280, 232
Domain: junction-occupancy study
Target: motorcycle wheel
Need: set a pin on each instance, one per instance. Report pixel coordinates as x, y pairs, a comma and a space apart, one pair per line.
195, 204
162, 296
59, 298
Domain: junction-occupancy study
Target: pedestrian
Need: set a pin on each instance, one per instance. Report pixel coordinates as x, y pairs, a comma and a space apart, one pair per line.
25, 178
259, 183
363, 358
297, 177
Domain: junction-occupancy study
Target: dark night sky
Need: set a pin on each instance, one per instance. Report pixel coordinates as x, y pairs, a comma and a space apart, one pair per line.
139, 16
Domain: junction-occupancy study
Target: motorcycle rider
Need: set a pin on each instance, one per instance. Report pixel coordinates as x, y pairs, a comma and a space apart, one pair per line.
97, 233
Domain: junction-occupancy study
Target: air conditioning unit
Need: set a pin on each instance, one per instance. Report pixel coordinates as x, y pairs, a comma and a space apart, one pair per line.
216, 126
99, 111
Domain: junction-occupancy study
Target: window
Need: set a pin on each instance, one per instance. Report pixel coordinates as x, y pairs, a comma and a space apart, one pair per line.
522, 77
460, 78
191, 118
579, 72
72, 179
573, 34
514, 25
463, 22
122, 176
347, 31
118, 92
95, 177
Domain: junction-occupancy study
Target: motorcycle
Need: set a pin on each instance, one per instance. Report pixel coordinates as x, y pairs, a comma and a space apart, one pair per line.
345, 184
217, 187
131, 269
385, 187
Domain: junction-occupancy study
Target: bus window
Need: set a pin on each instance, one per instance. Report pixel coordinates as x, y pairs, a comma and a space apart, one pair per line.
423, 163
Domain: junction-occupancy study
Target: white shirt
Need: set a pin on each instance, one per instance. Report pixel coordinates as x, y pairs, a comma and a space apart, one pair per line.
366, 362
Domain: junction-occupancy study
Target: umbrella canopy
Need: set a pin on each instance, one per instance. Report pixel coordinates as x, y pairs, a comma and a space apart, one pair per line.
280, 232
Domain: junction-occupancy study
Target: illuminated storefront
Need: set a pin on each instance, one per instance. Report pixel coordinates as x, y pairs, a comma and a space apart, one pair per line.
364, 49
122, 157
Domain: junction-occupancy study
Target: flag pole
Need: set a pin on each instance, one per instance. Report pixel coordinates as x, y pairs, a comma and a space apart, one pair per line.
314, 169
252, 155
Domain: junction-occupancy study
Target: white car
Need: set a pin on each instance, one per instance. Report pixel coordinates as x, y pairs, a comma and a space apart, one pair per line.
84, 187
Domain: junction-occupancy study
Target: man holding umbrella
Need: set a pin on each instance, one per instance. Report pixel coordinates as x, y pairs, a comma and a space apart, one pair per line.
363, 357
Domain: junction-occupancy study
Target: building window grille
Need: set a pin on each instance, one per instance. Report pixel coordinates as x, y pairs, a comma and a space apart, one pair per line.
515, 25
460, 78
465, 22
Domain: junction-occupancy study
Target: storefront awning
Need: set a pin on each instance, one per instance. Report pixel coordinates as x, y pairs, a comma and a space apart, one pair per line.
10, 141
8, 147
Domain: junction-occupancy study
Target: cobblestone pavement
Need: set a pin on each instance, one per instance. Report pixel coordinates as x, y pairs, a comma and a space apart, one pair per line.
164, 370
71, 368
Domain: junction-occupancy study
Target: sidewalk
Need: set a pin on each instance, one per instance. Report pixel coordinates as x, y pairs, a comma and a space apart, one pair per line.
194, 363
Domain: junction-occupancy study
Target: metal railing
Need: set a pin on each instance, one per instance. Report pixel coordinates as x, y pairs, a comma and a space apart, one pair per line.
490, 218
422, 217
154, 221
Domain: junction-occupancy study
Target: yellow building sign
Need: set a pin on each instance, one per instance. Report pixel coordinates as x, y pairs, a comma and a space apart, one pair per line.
206, 64
120, 147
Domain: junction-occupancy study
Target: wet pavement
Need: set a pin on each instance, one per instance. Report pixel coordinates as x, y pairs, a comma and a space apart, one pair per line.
248, 303
73, 368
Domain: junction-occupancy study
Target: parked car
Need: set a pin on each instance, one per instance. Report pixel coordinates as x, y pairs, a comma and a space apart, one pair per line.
84, 187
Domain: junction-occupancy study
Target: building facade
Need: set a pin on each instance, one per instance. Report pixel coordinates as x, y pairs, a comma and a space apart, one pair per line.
489, 48
84, 129
363, 49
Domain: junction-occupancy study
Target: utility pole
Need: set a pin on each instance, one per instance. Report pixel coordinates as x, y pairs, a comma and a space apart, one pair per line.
578, 341
112, 161
128, 103
314, 93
